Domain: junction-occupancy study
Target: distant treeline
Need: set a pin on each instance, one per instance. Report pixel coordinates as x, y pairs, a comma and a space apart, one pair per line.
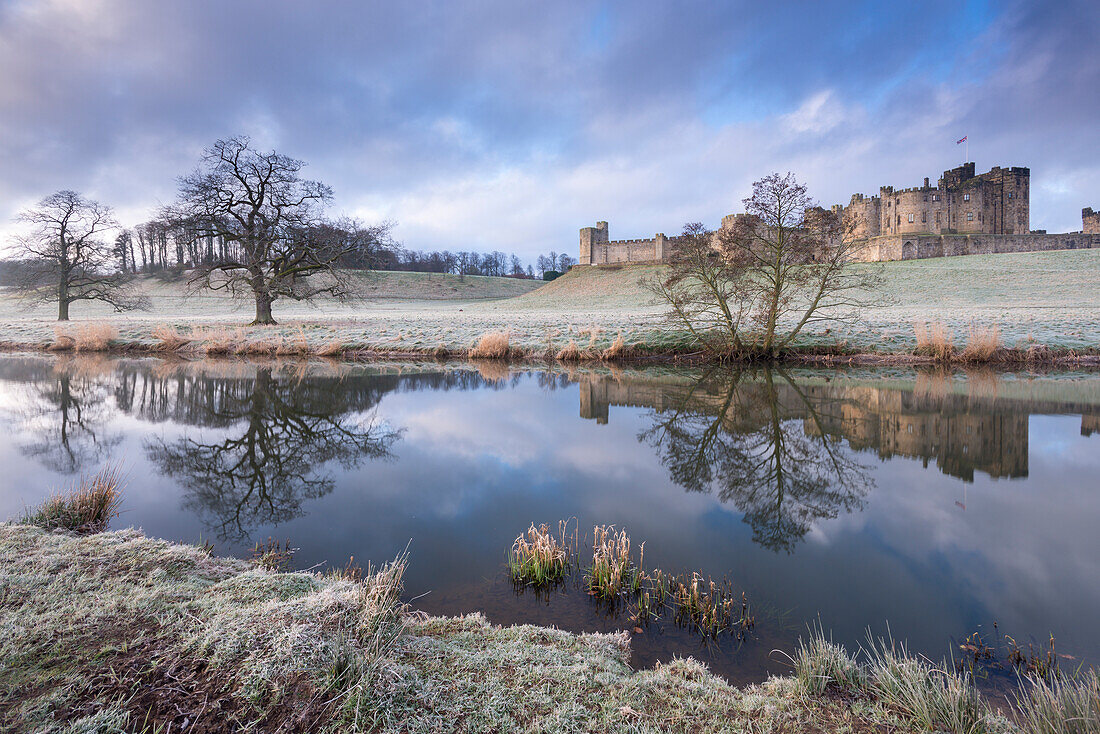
154, 247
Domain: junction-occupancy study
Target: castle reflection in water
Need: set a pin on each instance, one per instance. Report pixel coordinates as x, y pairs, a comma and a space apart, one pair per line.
973, 431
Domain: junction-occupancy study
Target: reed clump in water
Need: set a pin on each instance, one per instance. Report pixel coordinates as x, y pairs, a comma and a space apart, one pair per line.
612, 572
86, 507
539, 557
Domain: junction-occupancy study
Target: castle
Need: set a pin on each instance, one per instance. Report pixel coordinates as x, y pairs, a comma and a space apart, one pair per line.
965, 213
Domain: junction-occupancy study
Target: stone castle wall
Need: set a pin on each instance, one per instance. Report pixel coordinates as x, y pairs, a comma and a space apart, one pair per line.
886, 248
598, 249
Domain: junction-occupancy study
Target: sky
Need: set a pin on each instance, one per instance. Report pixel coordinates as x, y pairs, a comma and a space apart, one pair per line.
510, 125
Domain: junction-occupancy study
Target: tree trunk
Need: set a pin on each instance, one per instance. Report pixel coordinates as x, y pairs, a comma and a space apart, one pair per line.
63, 300
263, 310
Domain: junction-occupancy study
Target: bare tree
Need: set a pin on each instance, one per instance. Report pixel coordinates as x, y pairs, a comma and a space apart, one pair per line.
270, 223
751, 288
66, 257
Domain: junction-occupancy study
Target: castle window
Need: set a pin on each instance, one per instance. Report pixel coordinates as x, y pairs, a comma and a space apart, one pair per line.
935, 197
924, 216
910, 218
966, 197
970, 216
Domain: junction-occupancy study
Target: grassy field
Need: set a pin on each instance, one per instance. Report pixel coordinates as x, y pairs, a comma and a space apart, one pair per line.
1050, 299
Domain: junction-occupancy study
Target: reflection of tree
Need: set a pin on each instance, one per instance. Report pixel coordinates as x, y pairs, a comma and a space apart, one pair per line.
281, 434
749, 440
67, 416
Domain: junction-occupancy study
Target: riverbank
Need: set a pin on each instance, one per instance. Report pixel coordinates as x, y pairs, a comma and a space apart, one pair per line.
116, 631
1033, 308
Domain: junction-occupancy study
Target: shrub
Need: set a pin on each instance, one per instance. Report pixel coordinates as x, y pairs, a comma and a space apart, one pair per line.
551, 275
86, 507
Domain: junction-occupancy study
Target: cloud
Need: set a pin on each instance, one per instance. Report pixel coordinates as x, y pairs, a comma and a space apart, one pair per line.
506, 126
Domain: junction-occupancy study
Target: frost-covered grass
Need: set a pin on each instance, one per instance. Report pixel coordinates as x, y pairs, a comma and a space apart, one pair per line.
119, 632
1030, 299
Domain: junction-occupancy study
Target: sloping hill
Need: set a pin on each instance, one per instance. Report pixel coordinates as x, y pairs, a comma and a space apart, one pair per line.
603, 287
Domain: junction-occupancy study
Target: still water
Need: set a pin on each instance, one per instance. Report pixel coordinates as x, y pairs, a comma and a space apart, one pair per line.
936, 504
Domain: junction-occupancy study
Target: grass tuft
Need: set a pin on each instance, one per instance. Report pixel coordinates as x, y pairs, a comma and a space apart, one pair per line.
1060, 705
982, 344
540, 557
86, 507
934, 696
492, 345
168, 339
821, 664
934, 340
612, 571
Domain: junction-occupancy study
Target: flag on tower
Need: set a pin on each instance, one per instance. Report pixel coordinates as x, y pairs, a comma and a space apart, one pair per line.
961, 140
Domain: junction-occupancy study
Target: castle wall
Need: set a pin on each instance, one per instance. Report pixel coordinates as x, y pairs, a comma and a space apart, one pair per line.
917, 247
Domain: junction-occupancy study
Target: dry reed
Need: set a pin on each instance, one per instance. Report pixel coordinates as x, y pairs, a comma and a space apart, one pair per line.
983, 343
216, 341
331, 348
295, 346
492, 345
617, 350
612, 571
540, 557
168, 339
934, 340
95, 337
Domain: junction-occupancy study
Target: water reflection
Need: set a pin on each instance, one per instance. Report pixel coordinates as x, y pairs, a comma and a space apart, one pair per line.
62, 420
280, 433
823, 493
758, 441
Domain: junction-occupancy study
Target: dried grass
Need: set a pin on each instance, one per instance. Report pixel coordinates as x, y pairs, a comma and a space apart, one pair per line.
216, 340
169, 339
62, 342
570, 353
982, 344
934, 340
95, 337
295, 346
492, 345
331, 348
258, 348
611, 571
617, 350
